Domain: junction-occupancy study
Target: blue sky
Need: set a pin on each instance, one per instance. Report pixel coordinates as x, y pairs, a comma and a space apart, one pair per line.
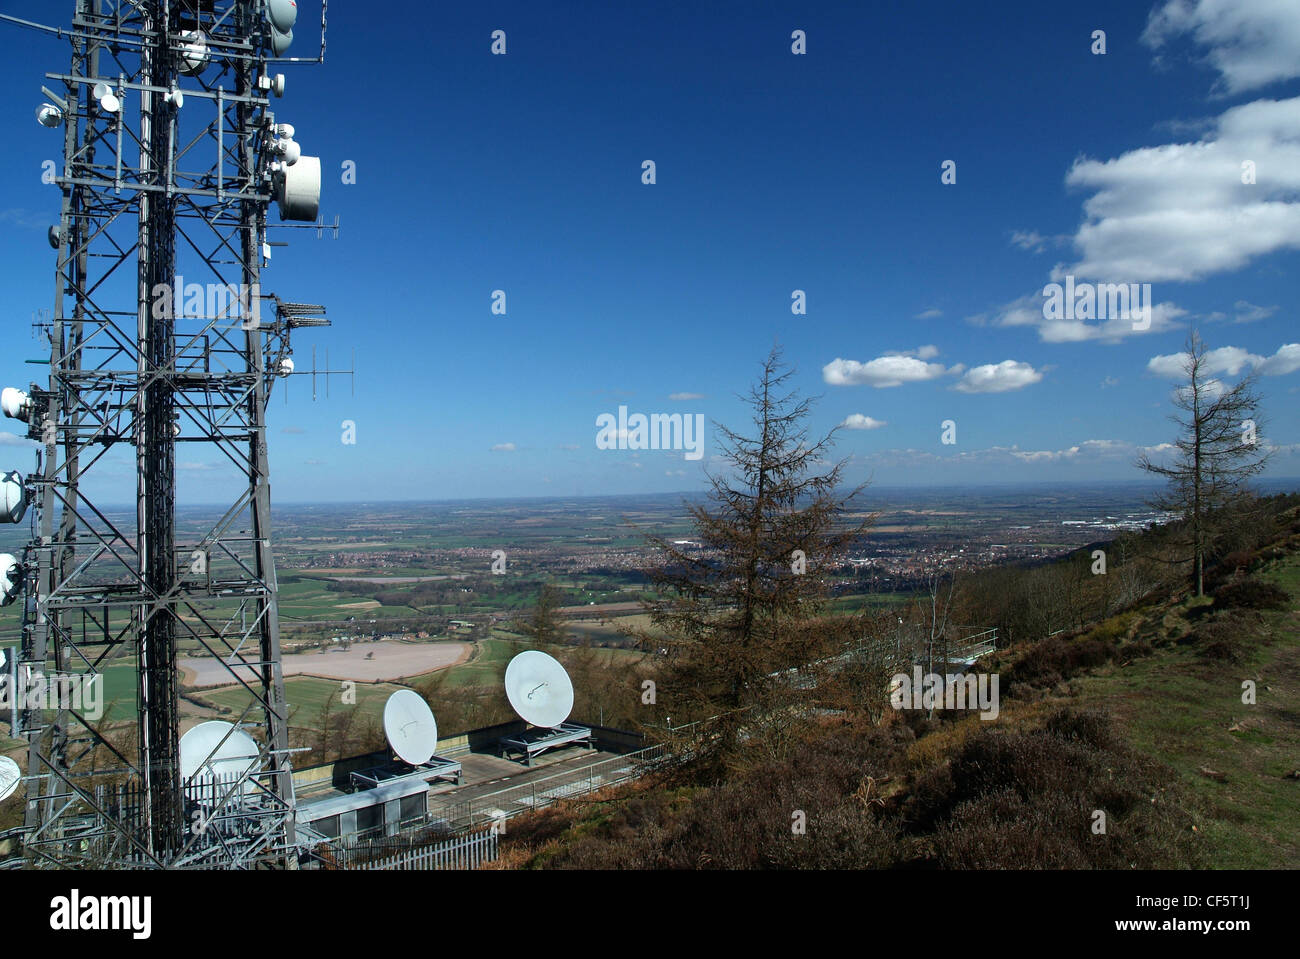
775, 172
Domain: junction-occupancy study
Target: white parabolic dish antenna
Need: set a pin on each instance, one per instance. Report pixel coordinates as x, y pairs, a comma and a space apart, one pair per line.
539, 689
232, 755
410, 727
10, 775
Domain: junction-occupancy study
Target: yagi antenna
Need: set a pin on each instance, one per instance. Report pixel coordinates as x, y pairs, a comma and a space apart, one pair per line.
320, 226
292, 316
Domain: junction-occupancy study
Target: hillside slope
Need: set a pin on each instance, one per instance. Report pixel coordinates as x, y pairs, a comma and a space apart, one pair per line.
1140, 717
1183, 706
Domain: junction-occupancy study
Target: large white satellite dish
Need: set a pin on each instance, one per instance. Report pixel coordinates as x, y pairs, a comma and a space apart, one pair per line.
10, 776
410, 727
233, 752
539, 689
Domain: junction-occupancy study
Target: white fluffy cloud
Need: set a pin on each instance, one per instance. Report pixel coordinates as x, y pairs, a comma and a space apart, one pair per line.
1180, 212
1088, 449
998, 377
857, 421
927, 352
1285, 360
892, 369
503, 448
1252, 43
1028, 311
1231, 360
1035, 242
1243, 311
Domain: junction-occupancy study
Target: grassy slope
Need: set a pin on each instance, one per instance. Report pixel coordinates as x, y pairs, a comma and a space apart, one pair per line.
1190, 715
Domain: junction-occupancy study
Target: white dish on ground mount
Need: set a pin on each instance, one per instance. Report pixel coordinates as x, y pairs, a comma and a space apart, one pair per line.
410, 727
539, 689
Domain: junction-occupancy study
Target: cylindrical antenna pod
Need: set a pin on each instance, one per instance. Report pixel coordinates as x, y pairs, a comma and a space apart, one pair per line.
48, 115
15, 403
283, 14
298, 190
286, 367
194, 52
108, 101
13, 498
291, 150
280, 40
11, 578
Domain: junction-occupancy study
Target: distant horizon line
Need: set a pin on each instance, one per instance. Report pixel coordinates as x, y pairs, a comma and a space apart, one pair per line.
931, 487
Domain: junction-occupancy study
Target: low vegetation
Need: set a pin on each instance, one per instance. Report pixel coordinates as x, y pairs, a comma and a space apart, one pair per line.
1125, 741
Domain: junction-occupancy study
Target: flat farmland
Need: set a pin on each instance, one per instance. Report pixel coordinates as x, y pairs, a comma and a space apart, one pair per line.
307, 598
488, 667
364, 662
307, 697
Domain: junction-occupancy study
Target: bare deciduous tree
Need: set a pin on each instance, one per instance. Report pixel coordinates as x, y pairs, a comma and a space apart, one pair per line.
1218, 450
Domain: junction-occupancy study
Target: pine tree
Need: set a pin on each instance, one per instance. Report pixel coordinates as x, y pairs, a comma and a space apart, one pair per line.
746, 603
545, 625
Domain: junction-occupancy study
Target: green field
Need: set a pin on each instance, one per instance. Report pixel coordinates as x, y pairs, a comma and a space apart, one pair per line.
1190, 715
306, 598
307, 697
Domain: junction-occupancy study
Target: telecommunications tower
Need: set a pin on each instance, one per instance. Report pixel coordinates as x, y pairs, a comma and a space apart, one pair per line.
161, 340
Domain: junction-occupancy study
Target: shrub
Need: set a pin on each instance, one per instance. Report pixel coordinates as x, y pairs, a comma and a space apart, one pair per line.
1092, 727
1251, 594
745, 822
1051, 660
1221, 640
1026, 800
1115, 628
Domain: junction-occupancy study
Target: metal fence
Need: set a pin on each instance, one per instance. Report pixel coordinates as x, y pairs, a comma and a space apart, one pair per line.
975, 644
539, 793
461, 852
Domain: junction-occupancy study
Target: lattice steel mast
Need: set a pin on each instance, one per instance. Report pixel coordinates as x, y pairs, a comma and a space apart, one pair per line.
171, 154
